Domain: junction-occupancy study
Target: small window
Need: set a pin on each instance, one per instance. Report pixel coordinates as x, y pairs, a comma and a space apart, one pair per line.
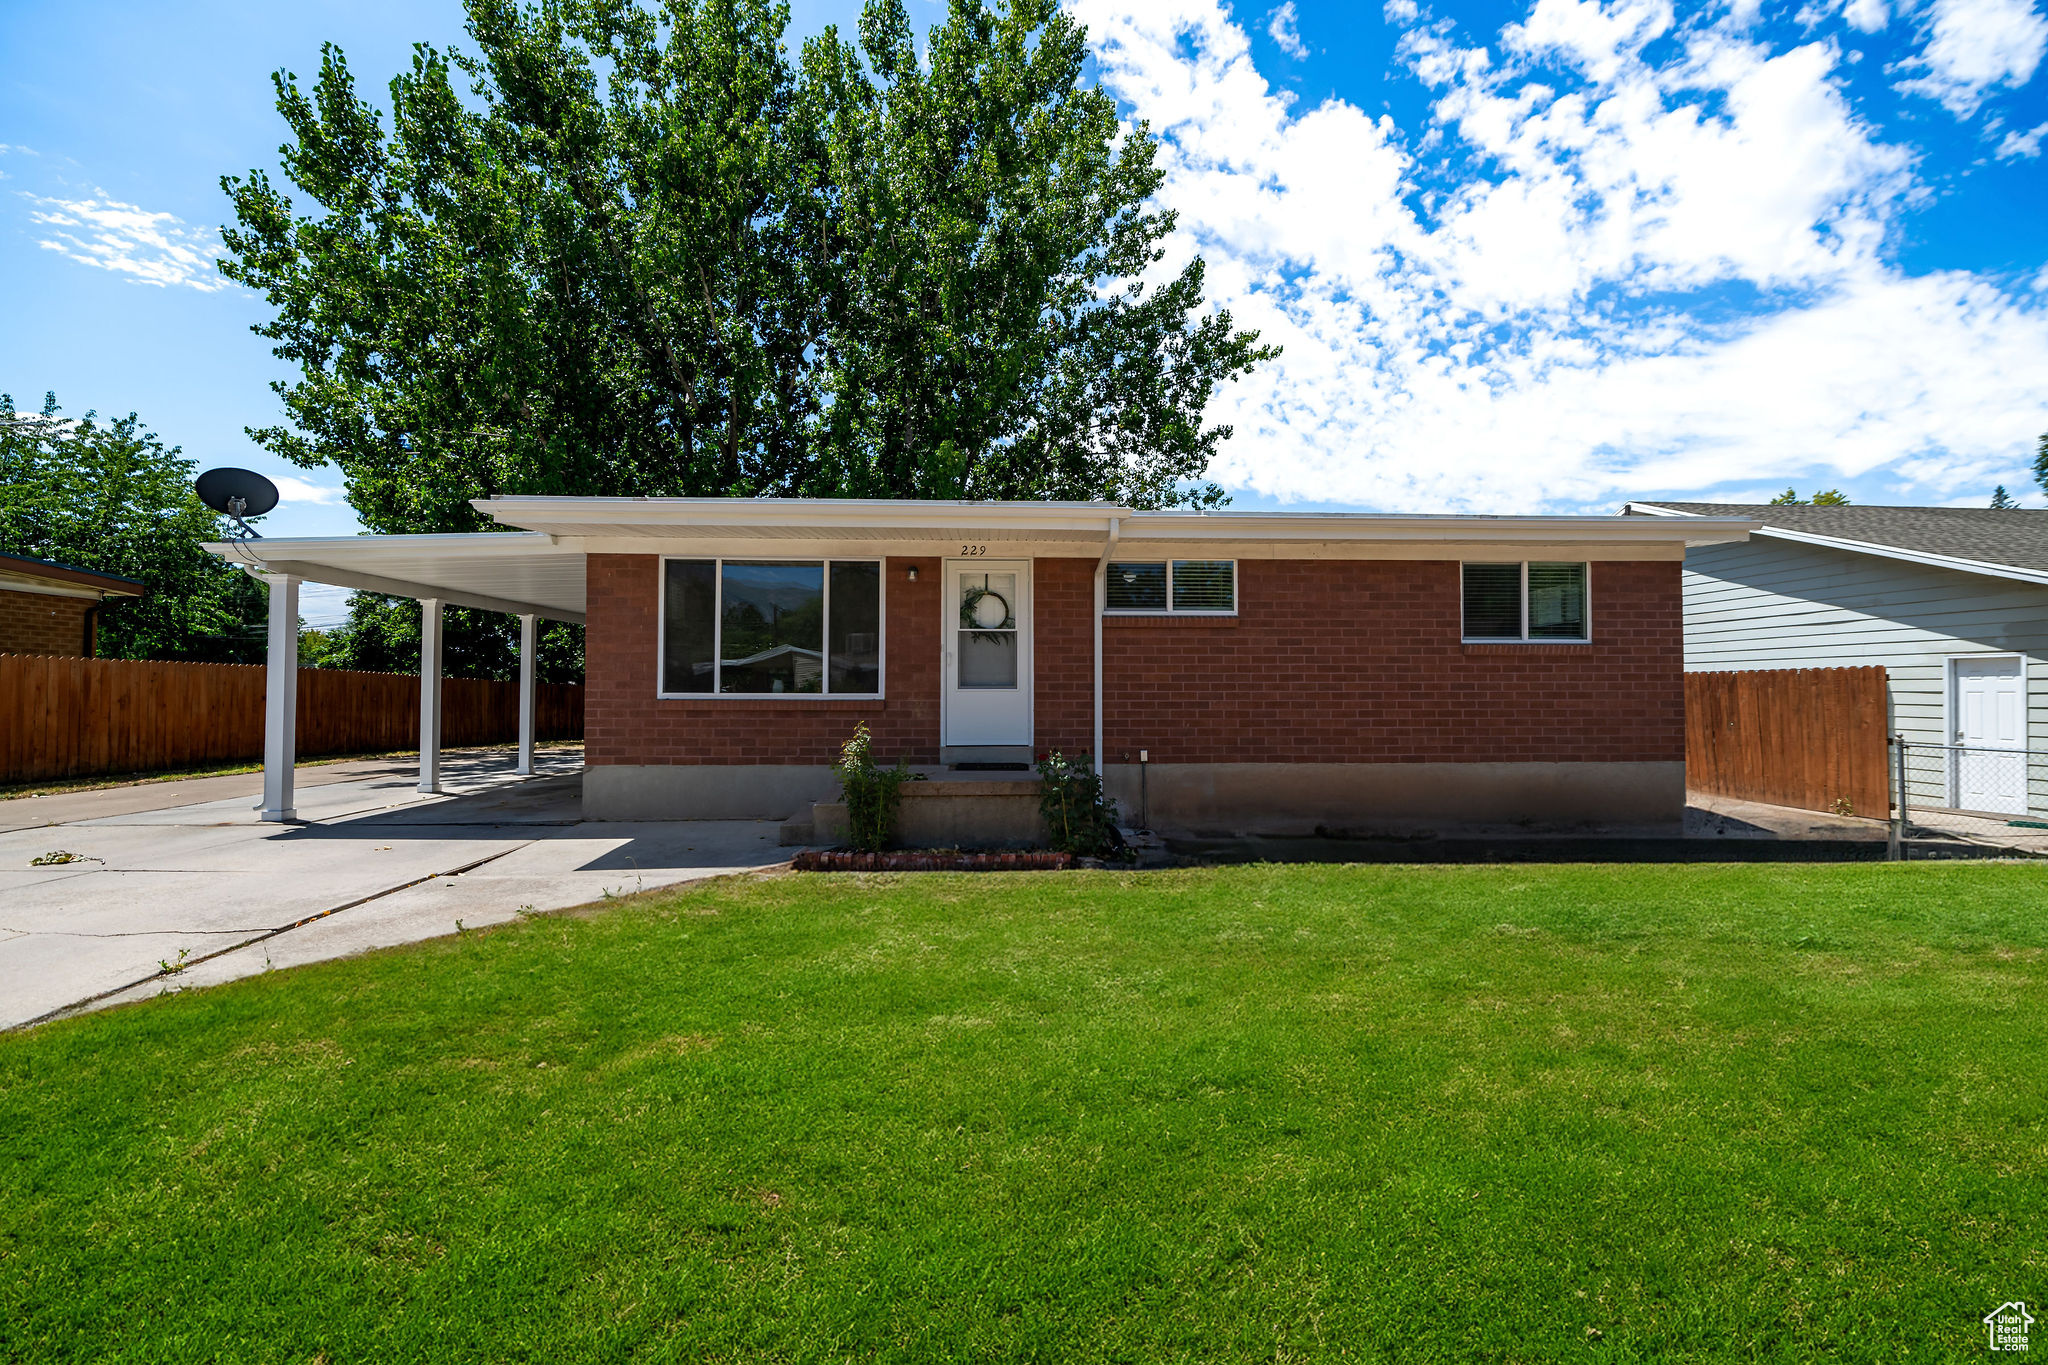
772, 627
1525, 602
1204, 585
1137, 587
1182, 586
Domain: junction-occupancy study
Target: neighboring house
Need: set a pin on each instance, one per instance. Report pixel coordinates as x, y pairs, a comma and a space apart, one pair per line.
51, 608
1282, 672
1952, 601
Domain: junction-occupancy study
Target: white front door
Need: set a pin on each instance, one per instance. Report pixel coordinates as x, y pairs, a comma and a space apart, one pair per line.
1990, 710
987, 642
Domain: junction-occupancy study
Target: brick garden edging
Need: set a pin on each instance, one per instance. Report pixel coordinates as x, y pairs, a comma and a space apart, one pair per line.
931, 860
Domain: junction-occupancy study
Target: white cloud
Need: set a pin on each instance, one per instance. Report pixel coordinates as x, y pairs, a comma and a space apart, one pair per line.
2025, 145
1973, 45
1865, 16
150, 248
291, 490
1624, 274
1284, 27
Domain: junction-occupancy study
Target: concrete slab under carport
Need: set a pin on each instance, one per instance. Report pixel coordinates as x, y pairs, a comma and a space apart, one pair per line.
378, 865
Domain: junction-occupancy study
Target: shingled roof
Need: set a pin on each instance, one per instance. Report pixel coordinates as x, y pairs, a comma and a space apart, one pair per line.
2017, 537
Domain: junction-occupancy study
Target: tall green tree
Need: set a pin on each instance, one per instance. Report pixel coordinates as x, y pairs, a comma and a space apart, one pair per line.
990, 328
1826, 497
544, 289
110, 497
646, 255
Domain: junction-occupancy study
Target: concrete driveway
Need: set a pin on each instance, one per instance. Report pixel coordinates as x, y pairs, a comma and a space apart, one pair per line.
184, 868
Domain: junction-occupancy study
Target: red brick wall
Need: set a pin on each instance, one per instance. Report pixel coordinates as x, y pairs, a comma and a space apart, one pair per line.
37, 623
1359, 661
625, 723
1331, 661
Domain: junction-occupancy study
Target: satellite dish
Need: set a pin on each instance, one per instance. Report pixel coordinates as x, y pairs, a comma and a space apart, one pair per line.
237, 494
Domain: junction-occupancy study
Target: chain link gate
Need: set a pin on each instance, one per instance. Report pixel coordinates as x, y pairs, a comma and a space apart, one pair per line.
1953, 799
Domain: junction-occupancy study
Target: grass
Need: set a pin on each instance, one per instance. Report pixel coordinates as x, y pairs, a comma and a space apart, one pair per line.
1518, 1113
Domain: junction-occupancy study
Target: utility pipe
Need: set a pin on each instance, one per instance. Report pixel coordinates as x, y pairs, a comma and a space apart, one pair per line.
1102, 605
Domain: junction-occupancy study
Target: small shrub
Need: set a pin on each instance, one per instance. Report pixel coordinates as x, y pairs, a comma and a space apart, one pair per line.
872, 794
1079, 816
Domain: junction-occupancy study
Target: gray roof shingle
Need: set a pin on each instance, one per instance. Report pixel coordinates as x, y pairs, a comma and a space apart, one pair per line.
2016, 536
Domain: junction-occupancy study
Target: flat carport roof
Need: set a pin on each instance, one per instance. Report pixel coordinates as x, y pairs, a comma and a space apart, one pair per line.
525, 573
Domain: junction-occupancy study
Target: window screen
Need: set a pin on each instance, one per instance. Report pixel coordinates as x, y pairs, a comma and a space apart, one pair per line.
1557, 601
1493, 601
1137, 587
1204, 585
856, 612
689, 625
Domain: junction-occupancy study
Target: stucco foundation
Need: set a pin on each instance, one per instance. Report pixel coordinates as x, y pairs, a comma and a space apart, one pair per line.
1300, 798
1200, 798
702, 791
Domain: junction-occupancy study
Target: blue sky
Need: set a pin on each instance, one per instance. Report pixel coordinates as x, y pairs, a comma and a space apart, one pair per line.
1522, 256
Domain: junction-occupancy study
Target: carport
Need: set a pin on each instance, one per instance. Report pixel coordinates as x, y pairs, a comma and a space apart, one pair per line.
527, 574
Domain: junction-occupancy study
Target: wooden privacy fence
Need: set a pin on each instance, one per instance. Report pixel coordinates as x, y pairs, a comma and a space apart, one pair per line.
1807, 737
77, 717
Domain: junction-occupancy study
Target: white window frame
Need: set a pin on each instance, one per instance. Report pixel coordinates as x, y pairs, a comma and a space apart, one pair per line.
1169, 610
1524, 638
718, 563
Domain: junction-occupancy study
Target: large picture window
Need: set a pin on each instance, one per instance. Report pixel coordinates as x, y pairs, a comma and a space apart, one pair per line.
1185, 586
1525, 602
771, 627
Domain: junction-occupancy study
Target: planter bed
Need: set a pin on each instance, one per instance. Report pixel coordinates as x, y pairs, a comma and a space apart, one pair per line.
931, 860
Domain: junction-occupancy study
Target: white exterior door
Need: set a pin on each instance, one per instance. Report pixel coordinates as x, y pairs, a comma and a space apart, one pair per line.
987, 643
1990, 710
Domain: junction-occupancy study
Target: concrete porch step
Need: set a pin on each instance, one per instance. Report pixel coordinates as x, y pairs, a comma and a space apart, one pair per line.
953, 811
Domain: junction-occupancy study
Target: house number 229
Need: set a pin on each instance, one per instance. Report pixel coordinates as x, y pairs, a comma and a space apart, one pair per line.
971, 551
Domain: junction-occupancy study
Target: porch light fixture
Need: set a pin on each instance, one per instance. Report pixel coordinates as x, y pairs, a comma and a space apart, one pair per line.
913, 573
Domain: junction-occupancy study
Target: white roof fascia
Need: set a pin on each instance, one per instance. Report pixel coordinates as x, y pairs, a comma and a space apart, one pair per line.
409, 565
1283, 527
591, 518
46, 588
1863, 547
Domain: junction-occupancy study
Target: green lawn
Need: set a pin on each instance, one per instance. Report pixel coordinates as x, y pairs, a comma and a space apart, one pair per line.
1512, 1113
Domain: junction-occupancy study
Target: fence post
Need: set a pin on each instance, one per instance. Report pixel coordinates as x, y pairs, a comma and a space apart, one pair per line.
1897, 851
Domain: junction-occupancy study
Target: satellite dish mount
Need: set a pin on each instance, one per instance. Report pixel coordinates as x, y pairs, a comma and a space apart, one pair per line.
237, 494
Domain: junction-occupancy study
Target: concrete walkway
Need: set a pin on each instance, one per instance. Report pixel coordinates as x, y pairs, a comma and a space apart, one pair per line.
184, 868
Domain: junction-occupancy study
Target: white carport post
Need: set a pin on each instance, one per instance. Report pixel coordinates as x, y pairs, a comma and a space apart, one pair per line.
430, 694
526, 641
281, 699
